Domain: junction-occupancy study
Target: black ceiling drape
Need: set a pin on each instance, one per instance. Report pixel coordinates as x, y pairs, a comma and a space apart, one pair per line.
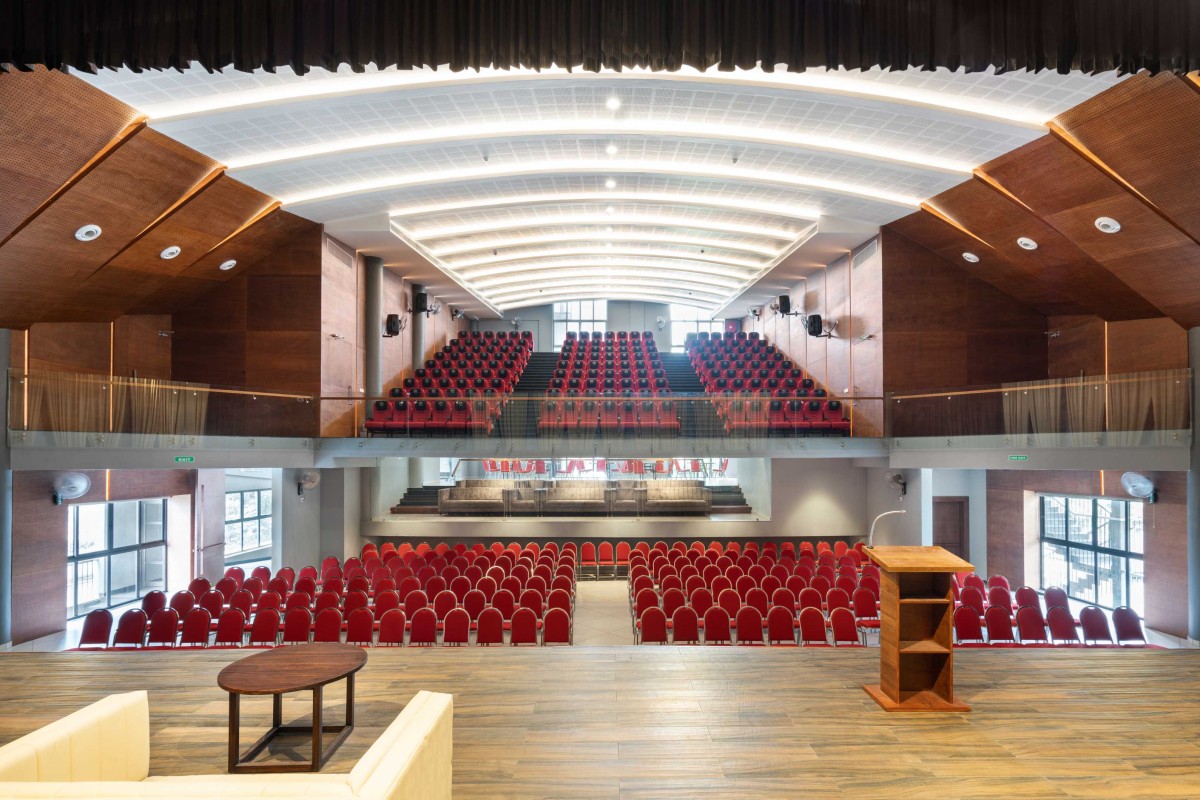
1061, 35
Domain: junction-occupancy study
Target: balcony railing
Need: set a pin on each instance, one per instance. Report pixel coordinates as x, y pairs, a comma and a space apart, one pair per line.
1126, 408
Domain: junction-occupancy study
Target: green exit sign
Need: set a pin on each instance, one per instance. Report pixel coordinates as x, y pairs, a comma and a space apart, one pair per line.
184, 459
1010, 458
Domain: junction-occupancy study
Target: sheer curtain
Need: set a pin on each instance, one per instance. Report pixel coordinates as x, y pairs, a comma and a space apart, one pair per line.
1085, 407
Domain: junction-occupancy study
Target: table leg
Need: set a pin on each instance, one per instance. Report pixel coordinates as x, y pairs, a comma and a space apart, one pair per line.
350, 700
276, 710
235, 724
317, 754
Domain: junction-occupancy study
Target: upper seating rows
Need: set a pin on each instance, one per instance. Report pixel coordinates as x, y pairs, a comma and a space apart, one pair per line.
620, 362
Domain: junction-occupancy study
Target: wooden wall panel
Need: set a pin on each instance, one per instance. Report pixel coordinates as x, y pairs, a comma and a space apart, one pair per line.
397, 351
52, 126
1009, 532
39, 562
1146, 345
342, 337
70, 347
1078, 349
866, 355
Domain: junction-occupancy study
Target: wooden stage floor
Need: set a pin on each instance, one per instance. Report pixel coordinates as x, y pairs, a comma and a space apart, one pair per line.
698, 722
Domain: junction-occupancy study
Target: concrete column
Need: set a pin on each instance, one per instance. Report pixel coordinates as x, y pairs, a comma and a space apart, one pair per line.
374, 322
417, 326
1193, 494
5, 497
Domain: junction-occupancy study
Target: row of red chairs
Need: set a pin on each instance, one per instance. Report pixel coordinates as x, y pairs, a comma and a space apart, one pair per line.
1056, 628
749, 627
654, 417
759, 416
743, 584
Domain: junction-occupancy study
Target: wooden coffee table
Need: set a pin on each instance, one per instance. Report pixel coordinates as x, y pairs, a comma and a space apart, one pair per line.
295, 668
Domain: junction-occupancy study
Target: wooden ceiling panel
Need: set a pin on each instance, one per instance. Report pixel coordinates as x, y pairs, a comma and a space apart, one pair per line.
218, 210
52, 125
1057, 266
1147, 130
123, 194
1156, 262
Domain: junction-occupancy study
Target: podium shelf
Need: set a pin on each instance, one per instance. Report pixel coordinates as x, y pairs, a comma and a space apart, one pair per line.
923, 647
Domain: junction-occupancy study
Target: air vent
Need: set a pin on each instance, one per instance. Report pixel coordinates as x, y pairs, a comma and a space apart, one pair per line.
868, 250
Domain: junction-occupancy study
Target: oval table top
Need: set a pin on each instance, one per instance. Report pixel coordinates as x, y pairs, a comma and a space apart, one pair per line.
292, 668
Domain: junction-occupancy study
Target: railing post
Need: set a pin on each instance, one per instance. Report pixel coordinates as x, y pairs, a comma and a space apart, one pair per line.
1193, 495
5, 495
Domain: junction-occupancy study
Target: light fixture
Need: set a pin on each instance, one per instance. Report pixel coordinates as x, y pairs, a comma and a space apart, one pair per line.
613, 103
228, 265
611, 149
608, 245
610, 210
170, 252
88, 233
609, 229
970, 258
1025, 243
610, 184
543, 221
1107, 225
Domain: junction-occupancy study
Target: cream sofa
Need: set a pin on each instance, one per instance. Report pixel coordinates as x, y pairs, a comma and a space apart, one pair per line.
103, 751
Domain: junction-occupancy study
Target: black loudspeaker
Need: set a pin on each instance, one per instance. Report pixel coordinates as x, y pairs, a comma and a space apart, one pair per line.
420, 303
814, 325
785, 304
392, 326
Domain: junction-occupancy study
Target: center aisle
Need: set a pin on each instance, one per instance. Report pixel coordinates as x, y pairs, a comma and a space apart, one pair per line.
602, 613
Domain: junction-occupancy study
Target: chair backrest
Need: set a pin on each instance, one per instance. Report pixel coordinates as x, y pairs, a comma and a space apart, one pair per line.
163, 625
360, 626
1030, 624
730, 601
653, 626
810, 598
1056, 597
1095, 626
999, 624
749, 625
328, 627
780, 626
812, 626
1128, 625
967, 627
1062, 625
231, 627
265, 629
391, 628
1000, 596
685, 626
424, 628
716, 625
96, 627
972, 598
524, 627
490, 629
457, 627
296, 624
1028, 596
843, 626
194, 632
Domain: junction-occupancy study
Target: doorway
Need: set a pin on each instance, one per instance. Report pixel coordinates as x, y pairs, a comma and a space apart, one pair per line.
951, 528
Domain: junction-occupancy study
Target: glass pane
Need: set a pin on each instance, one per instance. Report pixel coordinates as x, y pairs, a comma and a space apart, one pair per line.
1137, 527
91, 585
124, 572
573, 309
233, 506
93, 527
264, 531
152, 570
1082, 574
601, 309
125, 523
233, 537
1110, 524
1054, 517
264, 503
249, 534
1079, 520
1054, 565
71, 588
154, 528
1137, 585
1110, 580
250, 504
71, 514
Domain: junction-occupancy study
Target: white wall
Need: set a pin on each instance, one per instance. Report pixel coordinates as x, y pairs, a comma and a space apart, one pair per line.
297, 538
915, 527
539, 320
971, 484
812, 497
636, 315
341, 513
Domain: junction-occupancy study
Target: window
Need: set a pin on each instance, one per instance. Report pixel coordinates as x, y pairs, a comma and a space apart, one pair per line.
689, 319
116, 553
1092, 547
580, 316
247, 520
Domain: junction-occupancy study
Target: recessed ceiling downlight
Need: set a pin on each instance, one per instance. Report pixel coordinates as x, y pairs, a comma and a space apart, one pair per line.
611, 149
228, 265
1107, 225
970, 258
1025, 243
88, 233
170, 252
610, 184
612, 103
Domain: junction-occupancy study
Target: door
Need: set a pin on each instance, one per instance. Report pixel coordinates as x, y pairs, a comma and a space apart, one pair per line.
950, 526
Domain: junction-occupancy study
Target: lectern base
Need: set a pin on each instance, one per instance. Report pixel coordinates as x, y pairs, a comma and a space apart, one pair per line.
920, 701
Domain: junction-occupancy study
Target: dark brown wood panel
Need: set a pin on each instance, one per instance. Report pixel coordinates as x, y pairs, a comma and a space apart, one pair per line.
1156, 139
1075, 347
140, 349
70, 347
52, 126
1146, 345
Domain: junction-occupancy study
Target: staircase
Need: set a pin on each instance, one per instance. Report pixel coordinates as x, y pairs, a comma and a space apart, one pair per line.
695, 418
418, 501
520, 417
729, 500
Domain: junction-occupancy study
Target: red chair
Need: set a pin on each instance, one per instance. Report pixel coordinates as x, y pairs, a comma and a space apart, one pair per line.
967, 627
194, 631
1030, 624
391, 629
716, 626
296, 625
524, 627
1062, 626
1095, 626
131, 629
1056, 597
297, 600
781, 624
328, 627
265, 630
490, 628
96, 627
749, 626
810, 598
506, 604
227, 586
685, 626
646, 598
606, 559
456, 627
163, 627
424, 628
587, 558
153, 601
812, 626
231, 628
844, 627
264, 573
866, 611
652, 626
1128, 626
360, 627
237, 574
199, 586
1028, 596
999, 625
972, 598
353, 602
556, 628
1000, 596
213, 602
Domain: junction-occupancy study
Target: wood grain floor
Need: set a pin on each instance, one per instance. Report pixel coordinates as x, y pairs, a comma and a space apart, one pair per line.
670, 722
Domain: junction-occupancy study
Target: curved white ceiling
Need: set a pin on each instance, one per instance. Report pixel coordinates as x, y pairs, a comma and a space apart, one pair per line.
526, 187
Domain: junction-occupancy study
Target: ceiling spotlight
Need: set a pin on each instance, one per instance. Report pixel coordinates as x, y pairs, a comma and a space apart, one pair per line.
611, 184
1025, 243
611, 149
609, 229
228, 265
1107, 225
88, 233
612, 103
610, 210
170, 252
609, 244
970, 258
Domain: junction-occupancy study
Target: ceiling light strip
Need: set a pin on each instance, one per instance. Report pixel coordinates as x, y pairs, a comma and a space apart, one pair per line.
567, 220
651, 237
611, 294
618, 272
493, 263
649, 287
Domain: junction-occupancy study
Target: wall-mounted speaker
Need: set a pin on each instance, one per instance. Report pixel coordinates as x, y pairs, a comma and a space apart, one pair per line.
814, 323
392, 325
420, 302
785, 304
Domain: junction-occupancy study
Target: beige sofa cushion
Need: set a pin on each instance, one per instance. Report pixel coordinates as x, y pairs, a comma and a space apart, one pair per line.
412, 759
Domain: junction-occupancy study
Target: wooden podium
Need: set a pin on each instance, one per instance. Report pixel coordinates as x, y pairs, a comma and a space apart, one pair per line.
916, 624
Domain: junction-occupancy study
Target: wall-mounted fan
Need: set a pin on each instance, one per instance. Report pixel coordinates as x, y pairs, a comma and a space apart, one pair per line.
660, 322
307, 480
1138, 485
895, 480
70, 486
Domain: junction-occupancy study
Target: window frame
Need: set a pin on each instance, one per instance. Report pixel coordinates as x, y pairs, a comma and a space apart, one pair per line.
74, 557
1092, 546
690, 324
567, 316
242, 519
